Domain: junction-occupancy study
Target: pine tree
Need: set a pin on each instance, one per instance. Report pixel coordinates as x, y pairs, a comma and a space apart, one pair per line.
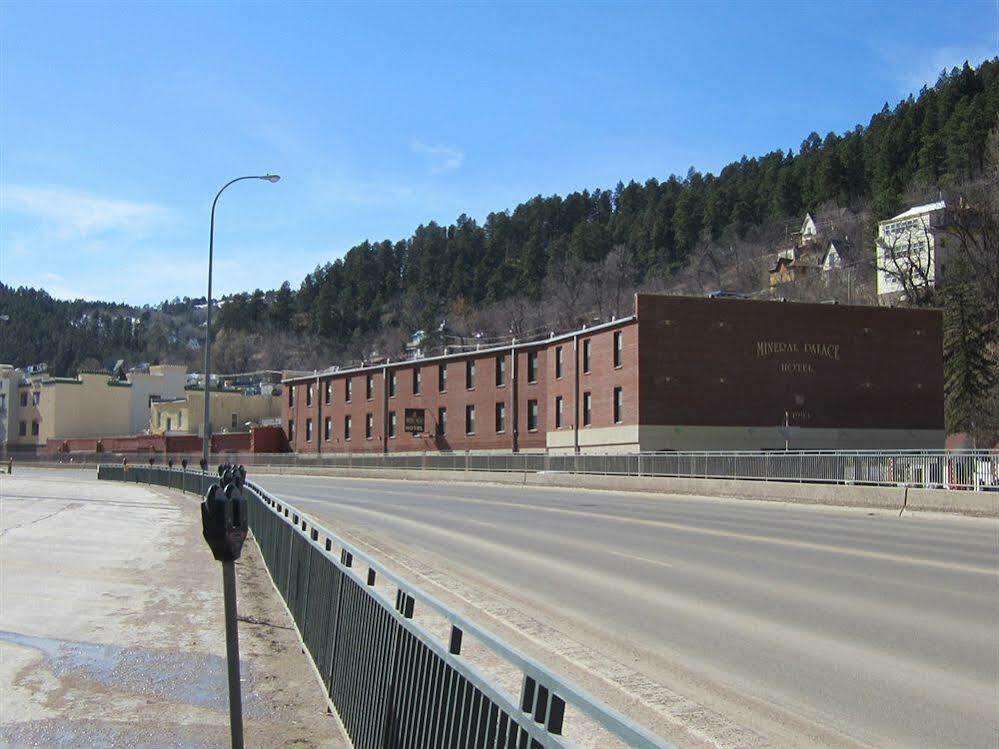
968, 370
283, 306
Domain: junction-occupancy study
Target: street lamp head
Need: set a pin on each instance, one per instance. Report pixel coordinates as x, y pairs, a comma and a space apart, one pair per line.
271, 177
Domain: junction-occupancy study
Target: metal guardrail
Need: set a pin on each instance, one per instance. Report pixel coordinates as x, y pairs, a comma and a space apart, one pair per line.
393, 683
954, 469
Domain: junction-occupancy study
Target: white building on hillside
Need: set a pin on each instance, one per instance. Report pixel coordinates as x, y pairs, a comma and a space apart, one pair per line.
910, 251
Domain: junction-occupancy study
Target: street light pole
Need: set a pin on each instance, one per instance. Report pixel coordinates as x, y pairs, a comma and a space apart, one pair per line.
206, 444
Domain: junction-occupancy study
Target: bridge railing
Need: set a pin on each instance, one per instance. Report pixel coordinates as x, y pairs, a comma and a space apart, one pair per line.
954, 469
393, 682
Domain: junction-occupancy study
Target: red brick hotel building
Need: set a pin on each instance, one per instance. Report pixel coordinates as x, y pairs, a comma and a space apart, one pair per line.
680, 373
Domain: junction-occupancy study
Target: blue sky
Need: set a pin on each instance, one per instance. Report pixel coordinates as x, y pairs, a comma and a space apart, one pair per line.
119, 122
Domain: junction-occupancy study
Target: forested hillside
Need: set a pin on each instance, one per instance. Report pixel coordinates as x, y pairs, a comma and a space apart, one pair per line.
550, 261
648, 231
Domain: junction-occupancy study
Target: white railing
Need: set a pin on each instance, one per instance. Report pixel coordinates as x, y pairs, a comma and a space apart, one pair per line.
976, 470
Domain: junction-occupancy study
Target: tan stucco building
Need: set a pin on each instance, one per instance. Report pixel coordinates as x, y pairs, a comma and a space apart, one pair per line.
231, 410
38, 407
88, 405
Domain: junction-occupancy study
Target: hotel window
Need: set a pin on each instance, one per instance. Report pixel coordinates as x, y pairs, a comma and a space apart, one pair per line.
500, 370
169, 425
22, 429
233, 422
558, 412
618, 347
369, 426
501, 417
34, 428
391, 424
291, 430
35, 397
369, 387
417, 380
618, 405
346, 427
327, 429
308, 396
558, 362
391, 384
470, 374
24, 400
308, 430
586, 355
532, 366
532, 416
329, 392
291, 396
347, 389
442, 378
469, 419
441, 421
587, 409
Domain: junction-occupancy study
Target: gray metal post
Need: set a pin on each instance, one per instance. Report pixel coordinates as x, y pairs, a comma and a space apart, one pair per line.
206, 441
232, 654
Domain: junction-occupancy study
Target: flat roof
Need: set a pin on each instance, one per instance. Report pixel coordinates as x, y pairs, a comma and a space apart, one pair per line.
918, 210
534, 343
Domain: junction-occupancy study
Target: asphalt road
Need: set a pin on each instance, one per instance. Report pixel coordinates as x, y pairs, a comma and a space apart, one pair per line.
811, 625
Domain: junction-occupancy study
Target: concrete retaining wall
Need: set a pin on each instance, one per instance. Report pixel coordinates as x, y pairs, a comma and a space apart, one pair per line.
883, 497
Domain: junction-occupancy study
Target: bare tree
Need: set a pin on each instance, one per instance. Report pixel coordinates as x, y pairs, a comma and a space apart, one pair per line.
974, 226
235, 351
610, 284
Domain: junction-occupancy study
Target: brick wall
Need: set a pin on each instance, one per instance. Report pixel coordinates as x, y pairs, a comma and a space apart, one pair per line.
682, 362
260, 439
736, 362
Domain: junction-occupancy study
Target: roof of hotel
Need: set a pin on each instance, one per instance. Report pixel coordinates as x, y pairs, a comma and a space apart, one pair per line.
516, 345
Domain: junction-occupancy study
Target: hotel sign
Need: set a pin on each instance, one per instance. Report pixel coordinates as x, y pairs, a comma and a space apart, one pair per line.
766, 349
415, 421
801, 353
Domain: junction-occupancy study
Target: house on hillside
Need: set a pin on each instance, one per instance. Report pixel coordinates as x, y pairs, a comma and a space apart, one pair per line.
802, 258
910, 252
812, 255
809, 229
836, 252
790, 269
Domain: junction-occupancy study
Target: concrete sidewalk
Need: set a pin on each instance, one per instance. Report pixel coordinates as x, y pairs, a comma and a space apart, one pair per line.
111, 629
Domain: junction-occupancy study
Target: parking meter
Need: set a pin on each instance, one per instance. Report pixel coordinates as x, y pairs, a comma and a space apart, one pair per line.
223, 520
183, 463
204, 464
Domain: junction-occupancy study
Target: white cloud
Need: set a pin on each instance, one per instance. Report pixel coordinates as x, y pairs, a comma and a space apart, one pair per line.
76, 214
441, 158
917, 67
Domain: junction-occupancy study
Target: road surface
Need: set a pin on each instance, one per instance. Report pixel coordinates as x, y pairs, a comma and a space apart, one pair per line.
783, 625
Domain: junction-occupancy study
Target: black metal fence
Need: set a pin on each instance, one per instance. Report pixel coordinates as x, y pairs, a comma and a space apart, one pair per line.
393, 683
